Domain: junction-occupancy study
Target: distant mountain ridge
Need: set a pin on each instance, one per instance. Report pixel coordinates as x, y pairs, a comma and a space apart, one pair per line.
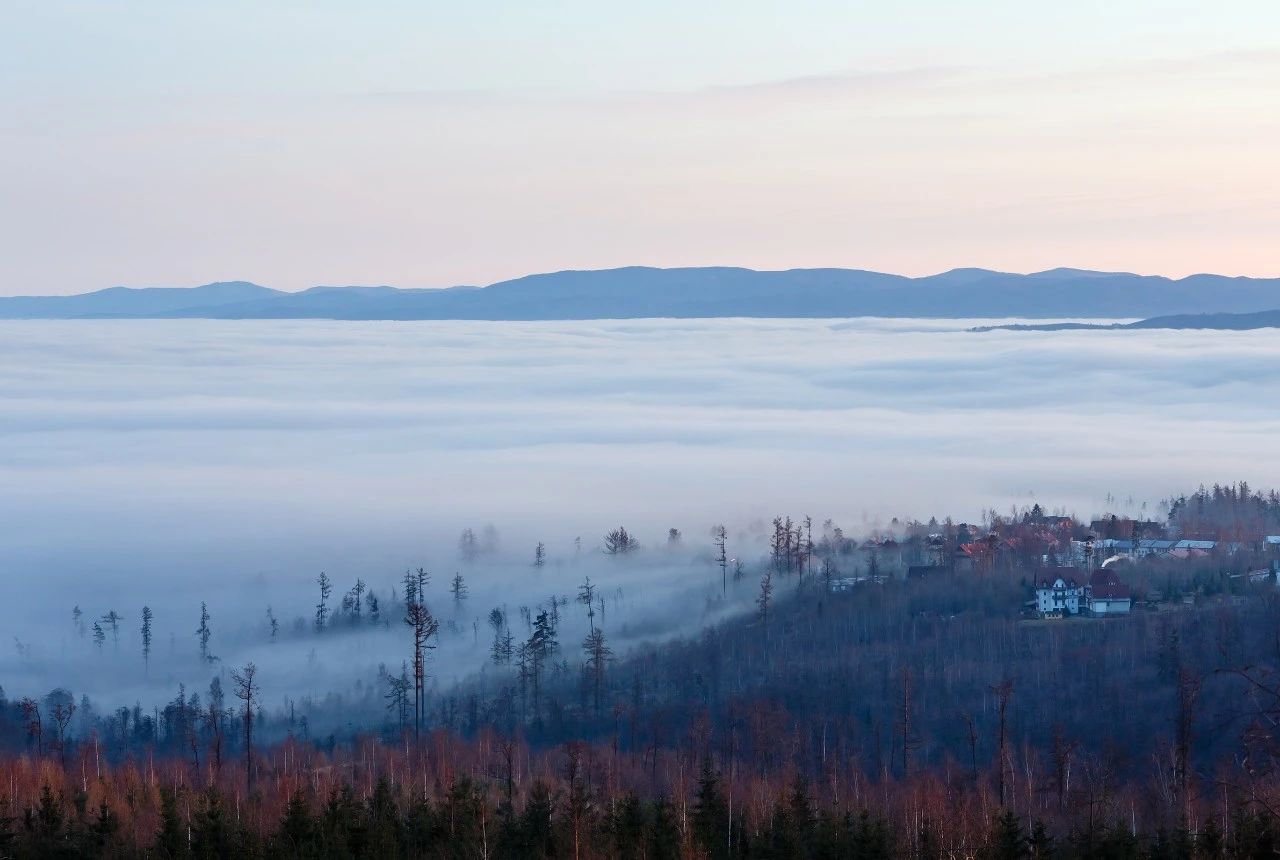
1219, 322
639, 292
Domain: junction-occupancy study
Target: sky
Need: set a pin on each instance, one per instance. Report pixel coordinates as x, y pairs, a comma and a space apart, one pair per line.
173, 462
425, 144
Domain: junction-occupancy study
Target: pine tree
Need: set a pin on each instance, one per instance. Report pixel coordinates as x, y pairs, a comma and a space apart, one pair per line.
171, 840
146, 635
297, 827
1006, 841
710, 816
203, 632
458, 589
1040, 843
322, 608
112, 619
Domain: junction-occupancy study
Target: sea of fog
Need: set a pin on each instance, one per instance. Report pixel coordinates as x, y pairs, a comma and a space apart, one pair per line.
168, 463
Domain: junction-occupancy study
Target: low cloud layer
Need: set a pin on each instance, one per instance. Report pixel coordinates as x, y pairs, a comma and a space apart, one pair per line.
174, 462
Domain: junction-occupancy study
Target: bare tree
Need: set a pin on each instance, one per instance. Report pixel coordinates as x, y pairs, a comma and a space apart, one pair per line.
906, 727
587, 597
720, 535
459, 590
246, 691
424, 626
1189, 685
64, 708
112, 619
1004, 692
398, 695
598, 655
34, 722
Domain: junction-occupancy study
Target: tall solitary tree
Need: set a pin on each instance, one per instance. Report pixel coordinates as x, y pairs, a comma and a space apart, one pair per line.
424, 626
357, 598
146, 635
458, 589
1004, 692
322, 608
765, 597
203, 632
112, 619
542, 645
540, 554
598, 655
587, 597
246, 691
720, 535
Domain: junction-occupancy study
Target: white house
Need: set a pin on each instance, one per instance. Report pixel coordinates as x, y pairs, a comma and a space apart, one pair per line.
1057, 596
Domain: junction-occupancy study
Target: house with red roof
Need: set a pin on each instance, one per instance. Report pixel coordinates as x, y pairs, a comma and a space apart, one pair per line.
1105, 594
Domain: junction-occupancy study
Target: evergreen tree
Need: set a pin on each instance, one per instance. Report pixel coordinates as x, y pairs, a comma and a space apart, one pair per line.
322, 608
146, 635
1006, 841
297, 827
203, 632
1040, 843
664, 833
171, 840
710, 814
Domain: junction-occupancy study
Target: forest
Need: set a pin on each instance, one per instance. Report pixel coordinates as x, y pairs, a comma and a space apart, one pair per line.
888, 695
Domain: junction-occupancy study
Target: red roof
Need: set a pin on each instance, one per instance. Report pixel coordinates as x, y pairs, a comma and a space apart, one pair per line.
1107, 585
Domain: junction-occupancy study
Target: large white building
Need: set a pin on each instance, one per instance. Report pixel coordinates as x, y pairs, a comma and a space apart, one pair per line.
1057, 596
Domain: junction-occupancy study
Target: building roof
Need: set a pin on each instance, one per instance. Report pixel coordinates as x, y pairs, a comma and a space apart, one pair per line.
1106, 584
1052, 582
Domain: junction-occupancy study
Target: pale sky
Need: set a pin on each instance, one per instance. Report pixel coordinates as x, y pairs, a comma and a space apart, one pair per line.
417, 143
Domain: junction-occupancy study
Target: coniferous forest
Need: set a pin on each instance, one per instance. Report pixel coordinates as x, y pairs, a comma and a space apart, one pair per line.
891, 695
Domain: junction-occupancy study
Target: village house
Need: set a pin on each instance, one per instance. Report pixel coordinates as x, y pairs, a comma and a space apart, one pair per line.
1106, 595
1058, 595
